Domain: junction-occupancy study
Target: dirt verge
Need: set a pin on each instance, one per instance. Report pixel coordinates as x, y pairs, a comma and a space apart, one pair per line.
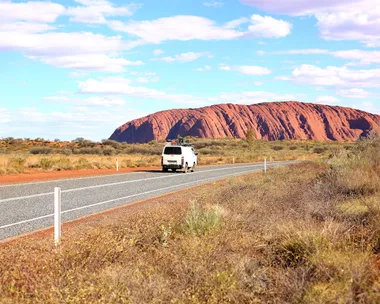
45, 176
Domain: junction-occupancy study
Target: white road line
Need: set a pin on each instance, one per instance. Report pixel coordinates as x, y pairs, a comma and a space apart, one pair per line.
119, 183
88, 177
70, 179
125, 197
26, 221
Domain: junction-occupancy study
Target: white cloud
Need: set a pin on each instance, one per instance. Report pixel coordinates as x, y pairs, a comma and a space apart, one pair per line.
187, 27
180, 27
328, 100
74, 121
361, 57
25, 27
256, 97
368, 107
184, 57
250, 70
97, 101
80, 51
89, 63
268, 27
60, 44
96, 11
302, 52
122, 86
205, 68
32, 11
336, 19
216, 4
356, 93
236, 23
145, 77
5, 116
335, 76
158, 52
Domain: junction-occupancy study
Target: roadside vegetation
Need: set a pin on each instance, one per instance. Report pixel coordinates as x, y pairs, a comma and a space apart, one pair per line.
26, 155
306, 233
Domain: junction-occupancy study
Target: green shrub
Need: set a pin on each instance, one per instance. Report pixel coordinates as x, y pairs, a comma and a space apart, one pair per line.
319, 150
109, 151
295, 251
293, 148
40, 150
200, 220
277, 148
45, 163
63, 163
83, 163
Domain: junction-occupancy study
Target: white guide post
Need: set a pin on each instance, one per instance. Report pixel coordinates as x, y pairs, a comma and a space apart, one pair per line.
265, 165
57, 215
117, 164
233, 160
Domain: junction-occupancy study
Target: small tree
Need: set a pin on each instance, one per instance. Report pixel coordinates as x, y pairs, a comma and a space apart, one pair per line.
250, 138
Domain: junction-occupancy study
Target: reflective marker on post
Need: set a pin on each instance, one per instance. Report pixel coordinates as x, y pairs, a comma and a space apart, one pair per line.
57, 215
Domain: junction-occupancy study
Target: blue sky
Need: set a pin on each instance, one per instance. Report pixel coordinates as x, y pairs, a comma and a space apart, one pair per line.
82, 68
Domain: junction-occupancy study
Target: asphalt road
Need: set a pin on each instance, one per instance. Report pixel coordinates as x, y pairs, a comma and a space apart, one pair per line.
29, 207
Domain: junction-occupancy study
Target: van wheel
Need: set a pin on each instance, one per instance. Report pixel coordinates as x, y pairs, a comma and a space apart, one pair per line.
174, 170
186, 169
193, 168
165, 169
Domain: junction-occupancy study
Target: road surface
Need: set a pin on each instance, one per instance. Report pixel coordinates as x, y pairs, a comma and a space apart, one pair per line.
29, 207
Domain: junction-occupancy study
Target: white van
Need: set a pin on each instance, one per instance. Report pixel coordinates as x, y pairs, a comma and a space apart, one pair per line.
179, 157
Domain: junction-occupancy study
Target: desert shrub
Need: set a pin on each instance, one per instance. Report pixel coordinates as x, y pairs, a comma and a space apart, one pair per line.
319, 150
200, 145
109, 151
17, 164
144, 150
63, 163
83, 163
45, 163
210, 151
112, 143
96, 151
40, 150
295, 251
127, 163
200, 220
293, 147
277, 148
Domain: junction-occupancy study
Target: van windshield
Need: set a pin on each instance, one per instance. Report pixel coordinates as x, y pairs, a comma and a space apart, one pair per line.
173, 150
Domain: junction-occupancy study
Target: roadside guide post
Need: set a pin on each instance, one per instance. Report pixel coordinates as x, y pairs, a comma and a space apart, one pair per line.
117, 164
265, 165
57, 215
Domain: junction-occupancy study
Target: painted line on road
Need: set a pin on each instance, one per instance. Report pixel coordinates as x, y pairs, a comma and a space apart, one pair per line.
69, 179
119, 183
103, 176
125, 197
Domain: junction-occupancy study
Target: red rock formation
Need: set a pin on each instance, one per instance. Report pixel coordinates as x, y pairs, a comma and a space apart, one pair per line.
274, 120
